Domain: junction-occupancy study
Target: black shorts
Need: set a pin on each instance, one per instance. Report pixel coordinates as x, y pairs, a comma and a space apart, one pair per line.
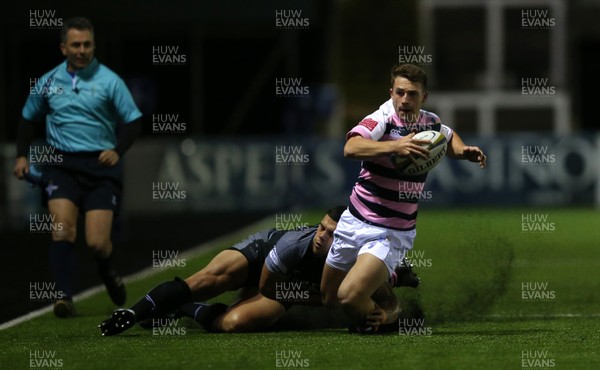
256, 252
80, 178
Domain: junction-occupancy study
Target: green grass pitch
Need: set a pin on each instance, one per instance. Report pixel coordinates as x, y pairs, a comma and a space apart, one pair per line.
494, 296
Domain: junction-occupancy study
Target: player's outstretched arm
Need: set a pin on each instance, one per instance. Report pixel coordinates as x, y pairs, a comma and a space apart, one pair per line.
457, 149
272, 286
268, 283
357, 147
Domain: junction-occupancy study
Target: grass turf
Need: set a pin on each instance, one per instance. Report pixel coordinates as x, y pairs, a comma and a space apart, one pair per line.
474, 265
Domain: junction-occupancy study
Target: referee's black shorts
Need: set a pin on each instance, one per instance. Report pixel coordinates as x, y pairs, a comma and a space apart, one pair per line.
81, 178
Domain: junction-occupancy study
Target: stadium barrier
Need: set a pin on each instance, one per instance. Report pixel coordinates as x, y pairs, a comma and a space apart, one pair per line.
277, 173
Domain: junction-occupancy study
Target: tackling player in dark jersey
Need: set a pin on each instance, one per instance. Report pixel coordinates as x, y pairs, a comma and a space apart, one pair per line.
293, 264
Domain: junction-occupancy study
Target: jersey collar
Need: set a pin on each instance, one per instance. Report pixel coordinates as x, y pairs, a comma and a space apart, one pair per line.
86, 72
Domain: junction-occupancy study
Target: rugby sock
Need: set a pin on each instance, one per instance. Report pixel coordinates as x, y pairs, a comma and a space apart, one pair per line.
114, 285
162, 299
103, 264
203, 313
62, 263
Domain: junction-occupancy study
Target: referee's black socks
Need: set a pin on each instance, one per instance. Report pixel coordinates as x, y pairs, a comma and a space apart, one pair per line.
103, 264
62, 263
162, 299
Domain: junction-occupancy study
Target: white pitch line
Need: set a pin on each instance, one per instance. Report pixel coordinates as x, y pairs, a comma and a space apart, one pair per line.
149, 271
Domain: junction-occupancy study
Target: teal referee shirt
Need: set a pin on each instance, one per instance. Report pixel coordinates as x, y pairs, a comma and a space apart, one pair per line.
82, 109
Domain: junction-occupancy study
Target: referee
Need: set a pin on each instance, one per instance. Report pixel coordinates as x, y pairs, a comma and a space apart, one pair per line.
91, 121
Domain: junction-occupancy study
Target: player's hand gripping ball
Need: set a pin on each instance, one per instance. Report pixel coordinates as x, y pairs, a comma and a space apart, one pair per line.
412, 166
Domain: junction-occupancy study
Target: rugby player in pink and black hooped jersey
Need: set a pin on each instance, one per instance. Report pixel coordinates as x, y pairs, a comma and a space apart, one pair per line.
379, 227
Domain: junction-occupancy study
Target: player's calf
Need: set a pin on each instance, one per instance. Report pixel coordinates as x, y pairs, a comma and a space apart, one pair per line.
162, 299
367, 275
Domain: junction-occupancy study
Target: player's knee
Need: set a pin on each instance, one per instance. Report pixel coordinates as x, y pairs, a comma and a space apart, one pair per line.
99, 245
64, 232
236, 323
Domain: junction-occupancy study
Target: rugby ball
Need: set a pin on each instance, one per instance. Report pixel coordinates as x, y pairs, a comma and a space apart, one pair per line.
437, 150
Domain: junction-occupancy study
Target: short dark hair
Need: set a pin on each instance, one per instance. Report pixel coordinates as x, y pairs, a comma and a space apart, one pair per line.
336, 212
79, 23
411, 72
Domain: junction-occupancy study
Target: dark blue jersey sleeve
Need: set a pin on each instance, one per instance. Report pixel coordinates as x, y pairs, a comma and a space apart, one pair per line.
289, 250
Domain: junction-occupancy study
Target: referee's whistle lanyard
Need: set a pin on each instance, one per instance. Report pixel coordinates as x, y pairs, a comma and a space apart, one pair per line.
85, 72
74, 83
